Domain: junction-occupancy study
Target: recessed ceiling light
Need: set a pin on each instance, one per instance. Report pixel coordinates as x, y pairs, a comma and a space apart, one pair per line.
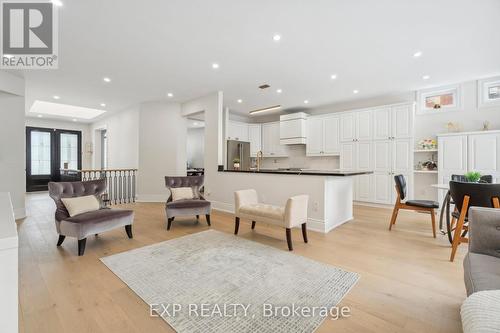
306, 101
426, 77
275, 107
215, 65
333, 76
106, 79
170, 95
417, 54
355, 91
240, 101
56, 97
276, 38
57, 3
39, 116
74, 119
103, 105
279, 91
195, 124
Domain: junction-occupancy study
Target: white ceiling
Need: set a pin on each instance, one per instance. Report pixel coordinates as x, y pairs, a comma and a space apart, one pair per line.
63, 111
149, 48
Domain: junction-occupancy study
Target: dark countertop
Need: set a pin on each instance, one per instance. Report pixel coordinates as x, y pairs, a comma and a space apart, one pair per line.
306, 172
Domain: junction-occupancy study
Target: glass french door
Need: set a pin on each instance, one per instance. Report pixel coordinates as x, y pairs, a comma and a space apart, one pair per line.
47, 152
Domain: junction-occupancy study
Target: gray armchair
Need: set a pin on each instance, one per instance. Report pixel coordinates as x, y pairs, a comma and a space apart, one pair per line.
83, 225
189, 207
482, 262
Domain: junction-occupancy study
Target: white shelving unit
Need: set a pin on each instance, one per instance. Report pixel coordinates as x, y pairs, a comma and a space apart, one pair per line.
425, 171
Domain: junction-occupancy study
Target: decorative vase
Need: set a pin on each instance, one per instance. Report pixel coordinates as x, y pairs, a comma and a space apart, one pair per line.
236, 166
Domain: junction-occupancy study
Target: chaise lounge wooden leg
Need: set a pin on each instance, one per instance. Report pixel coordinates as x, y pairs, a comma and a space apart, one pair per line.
289, 238
60, 240
81, 246
253, 224
197, 217
207, 216
236, 225
169, 222
304, 232
128, 229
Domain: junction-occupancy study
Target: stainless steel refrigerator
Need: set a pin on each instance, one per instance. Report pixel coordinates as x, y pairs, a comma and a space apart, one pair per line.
240, 150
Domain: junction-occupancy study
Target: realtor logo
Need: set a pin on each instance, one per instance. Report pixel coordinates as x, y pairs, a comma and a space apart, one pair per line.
29, 35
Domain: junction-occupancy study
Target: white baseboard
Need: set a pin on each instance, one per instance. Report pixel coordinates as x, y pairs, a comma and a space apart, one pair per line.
19, 213
151, 198
373, 204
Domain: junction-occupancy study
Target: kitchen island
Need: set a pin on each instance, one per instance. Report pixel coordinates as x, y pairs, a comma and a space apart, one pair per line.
330, 192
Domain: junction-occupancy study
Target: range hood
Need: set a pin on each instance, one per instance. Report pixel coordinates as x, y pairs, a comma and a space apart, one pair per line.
293, 128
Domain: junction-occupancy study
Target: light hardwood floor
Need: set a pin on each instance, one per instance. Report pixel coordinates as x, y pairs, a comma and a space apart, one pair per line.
407, 283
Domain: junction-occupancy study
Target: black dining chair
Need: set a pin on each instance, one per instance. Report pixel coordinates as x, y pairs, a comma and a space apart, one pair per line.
416, 205
465, 195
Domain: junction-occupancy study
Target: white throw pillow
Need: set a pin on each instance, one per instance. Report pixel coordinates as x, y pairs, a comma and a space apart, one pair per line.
81, 205
182, 193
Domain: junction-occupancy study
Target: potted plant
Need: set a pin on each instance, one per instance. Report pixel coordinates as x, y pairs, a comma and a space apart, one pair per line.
473, 176
236, 163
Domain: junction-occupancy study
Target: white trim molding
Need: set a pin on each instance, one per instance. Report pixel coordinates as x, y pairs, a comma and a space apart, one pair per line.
483, 92
455, 90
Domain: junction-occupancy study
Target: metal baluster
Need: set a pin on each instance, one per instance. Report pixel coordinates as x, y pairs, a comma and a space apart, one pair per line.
129, 185
133, 185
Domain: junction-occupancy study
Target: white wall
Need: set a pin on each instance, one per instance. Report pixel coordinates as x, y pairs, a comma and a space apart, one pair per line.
471, 118
12, 141
123, 139
74, 126
195, 147
162, 148
211, 105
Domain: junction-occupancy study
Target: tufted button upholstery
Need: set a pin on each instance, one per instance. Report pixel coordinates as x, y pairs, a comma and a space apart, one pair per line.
74, 189
264, 210
195, 182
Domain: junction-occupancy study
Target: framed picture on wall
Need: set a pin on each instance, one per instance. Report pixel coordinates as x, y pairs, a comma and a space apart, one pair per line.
439, 99
488, 93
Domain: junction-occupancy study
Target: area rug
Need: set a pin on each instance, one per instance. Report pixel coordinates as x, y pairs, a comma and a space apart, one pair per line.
217, 282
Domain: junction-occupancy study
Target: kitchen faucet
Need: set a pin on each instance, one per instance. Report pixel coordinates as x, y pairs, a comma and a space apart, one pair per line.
259, 159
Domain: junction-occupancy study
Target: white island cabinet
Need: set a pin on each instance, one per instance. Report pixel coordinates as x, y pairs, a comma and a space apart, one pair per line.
330, 192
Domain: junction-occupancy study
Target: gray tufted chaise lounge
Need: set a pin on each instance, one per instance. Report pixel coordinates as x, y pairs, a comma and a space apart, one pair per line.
197, 206
91, 223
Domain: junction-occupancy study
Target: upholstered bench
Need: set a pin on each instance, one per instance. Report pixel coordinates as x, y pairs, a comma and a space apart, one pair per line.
292, 215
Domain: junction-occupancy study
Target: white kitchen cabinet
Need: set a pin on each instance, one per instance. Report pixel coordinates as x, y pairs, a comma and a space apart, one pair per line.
402, 121
255, 137
483, 152
323, 136
402, 152
315, 136
382, 156
382, 127
331, 135
237, 131
356, 126
382, 187
363, 156
452, 156
347, 155
271, 146
347, 127
363, 125
395, 122
364, 188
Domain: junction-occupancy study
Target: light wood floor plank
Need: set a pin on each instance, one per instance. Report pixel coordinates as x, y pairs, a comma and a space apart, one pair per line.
407, 283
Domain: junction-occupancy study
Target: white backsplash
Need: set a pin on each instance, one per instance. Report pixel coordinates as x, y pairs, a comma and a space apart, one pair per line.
297, 159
